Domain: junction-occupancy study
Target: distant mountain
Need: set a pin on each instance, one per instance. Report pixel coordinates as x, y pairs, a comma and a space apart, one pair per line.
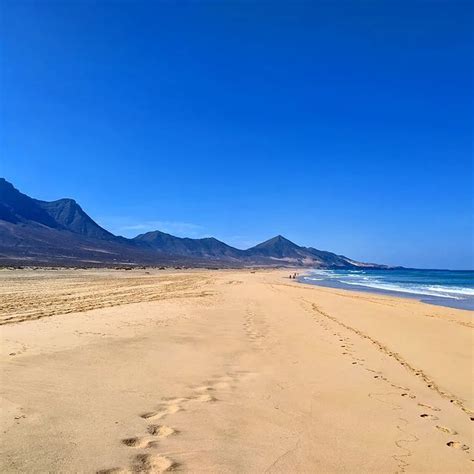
61, 233
16, 207
58, 232
65, 214
203, 248
283, 250
277, 247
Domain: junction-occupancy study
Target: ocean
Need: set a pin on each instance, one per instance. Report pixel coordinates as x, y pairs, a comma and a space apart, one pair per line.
453, 288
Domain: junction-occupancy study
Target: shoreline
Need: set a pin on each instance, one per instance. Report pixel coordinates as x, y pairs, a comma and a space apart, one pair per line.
466, 305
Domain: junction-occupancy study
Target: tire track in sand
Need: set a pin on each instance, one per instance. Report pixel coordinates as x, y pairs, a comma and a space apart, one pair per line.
430, 383
405, 392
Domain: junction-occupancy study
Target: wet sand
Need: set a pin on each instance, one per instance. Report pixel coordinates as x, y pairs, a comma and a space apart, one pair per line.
228, 372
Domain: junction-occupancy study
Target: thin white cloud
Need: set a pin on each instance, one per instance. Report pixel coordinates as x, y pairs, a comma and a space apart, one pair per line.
186, 229
129, 227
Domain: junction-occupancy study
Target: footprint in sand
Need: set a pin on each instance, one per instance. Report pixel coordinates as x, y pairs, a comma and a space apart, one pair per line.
429, 417
161, 413
175, 404
174, 400
207, 387
457, 445
147, 463
445, 429
204, 398
153, 463
156, 463
221, 382
156, 431
428, 406
135, 442
161, 431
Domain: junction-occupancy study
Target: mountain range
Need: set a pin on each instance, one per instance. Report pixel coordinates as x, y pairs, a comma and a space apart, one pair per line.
35, 232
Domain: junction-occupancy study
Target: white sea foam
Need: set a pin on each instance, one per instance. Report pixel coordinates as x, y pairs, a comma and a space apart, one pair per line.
415, 290
453, 289
361, 278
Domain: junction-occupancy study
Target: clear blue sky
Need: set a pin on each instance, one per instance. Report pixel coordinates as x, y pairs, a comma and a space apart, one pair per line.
345, 125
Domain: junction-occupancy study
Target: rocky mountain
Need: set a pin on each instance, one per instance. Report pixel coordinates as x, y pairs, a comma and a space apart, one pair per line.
276, 247
68, 215
16, 207
58, 232
61, 233
283, 250
202, 248
63, 214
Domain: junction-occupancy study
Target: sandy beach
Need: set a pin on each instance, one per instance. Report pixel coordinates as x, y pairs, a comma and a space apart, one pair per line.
229, 371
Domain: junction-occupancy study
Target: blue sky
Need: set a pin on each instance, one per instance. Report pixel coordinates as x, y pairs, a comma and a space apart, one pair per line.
342, 125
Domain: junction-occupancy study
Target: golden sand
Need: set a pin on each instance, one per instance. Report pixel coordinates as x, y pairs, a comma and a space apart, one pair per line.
228, 372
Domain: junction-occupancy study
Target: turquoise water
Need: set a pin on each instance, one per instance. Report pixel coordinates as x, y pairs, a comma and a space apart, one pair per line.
442, 287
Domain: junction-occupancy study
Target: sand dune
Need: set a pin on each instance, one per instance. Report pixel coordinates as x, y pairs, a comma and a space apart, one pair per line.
228, 372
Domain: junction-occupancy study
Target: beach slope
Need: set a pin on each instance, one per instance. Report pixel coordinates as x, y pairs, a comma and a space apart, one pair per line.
229, 372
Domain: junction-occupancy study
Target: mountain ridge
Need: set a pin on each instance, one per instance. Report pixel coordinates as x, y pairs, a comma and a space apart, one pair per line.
61, 232
204, 247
